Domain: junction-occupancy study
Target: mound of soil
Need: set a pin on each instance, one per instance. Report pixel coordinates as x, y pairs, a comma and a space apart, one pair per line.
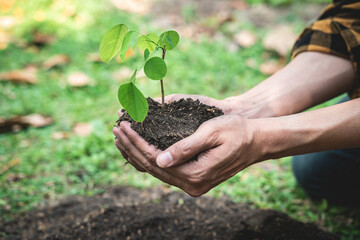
128, 213
164, 126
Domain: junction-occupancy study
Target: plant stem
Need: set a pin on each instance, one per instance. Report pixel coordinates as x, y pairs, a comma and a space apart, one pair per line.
161, 81
149, 39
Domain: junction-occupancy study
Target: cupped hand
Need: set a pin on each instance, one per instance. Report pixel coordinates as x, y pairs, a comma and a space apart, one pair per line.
224, 146
222, 104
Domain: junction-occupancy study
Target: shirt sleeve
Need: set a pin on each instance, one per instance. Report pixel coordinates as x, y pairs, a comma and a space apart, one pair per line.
337, 32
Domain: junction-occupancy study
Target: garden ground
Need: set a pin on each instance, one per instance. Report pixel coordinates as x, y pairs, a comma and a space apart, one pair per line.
49, 55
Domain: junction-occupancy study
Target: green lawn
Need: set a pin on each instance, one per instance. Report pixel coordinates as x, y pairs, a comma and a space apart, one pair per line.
35, 167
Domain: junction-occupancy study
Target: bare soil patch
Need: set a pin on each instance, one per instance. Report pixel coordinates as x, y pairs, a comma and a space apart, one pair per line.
129, 213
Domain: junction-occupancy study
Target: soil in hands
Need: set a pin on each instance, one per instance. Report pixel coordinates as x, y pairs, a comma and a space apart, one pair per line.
166, 125
156, 213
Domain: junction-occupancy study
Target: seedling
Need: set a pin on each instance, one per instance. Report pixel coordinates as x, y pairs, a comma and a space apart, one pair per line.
117, 41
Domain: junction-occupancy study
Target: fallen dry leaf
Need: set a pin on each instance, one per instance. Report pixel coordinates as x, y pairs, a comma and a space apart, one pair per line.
141, 7
224, 17
78, 79
7, 166
56, 60
245, 38
18, 123
37, 120
239, 5
83, 129
195, 31
280, 39
15, 177
41, 39
26, 75
60, 135
270, 67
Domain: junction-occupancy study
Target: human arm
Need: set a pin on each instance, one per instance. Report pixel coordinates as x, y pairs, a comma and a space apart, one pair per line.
229, 143
311, 78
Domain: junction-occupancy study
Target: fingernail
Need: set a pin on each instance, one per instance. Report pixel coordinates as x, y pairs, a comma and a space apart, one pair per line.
164, 159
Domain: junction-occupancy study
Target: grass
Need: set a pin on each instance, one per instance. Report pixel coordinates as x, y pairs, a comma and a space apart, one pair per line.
41, 168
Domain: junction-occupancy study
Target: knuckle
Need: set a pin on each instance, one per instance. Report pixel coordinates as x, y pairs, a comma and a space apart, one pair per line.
184, 148
149, 157
196, 180
214, 135
147, 166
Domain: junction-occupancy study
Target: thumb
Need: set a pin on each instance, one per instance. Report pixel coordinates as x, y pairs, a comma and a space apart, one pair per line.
203, 139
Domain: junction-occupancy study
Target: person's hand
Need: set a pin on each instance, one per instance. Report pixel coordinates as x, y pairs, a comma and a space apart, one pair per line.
224, 146
236, 105
225, 105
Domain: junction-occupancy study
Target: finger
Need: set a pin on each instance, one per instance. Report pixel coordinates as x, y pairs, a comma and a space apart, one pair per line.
206, 137
176, 97
141, 160
116, 131
122, 151
122, 147
121, 112
127, 156
150, 152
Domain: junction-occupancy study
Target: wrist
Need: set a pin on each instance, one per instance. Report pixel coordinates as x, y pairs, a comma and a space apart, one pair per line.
282, 136
247, 107
259, 138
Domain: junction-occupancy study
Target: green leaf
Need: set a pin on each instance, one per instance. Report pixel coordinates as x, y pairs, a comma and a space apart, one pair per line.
125, 45
170, 39
111, 43
148, 42
146, 54
133, 101
155, 68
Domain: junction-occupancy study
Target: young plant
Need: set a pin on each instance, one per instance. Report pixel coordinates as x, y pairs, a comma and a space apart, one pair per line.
117, 41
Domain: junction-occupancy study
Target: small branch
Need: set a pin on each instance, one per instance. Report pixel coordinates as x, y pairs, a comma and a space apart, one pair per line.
162, 94
161, 81
149, 39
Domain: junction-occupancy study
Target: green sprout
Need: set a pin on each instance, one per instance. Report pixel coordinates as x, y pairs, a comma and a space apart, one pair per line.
117, 41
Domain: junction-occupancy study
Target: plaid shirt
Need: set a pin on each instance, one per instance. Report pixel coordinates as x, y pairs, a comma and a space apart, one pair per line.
337, 32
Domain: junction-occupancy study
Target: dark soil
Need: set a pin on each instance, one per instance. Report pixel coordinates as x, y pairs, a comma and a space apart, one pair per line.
128, 213
165, 126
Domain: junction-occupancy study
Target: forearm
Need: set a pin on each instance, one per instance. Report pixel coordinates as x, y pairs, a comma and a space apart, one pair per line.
334, 127
311, 78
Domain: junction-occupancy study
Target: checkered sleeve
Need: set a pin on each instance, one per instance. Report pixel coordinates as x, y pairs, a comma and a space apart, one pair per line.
337, 32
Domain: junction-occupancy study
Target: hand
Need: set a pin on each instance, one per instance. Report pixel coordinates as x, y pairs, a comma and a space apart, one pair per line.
236, 105
224, 145
224, 105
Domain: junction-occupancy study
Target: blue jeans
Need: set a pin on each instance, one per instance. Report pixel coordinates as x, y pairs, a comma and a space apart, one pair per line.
333, 175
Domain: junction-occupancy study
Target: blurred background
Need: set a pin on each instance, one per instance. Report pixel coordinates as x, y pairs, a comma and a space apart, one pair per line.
58, 102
